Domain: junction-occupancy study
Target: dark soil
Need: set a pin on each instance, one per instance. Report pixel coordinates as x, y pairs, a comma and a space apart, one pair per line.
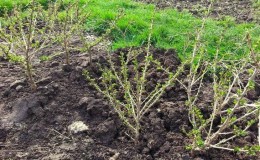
34, 125
241, 10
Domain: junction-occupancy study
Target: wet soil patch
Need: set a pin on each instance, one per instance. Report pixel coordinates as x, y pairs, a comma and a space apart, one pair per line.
34, 125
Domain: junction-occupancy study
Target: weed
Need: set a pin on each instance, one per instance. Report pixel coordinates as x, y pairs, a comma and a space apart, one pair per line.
44, 58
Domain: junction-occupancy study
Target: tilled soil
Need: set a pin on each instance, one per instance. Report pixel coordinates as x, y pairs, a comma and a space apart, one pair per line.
34, 125
241, 10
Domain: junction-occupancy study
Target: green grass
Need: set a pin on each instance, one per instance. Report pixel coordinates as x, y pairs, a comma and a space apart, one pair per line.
172, 29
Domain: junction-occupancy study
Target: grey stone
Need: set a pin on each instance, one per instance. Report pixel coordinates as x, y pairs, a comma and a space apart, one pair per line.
56, 86
84, 101
68, 146
79, 68
19, 88
84, 64
77, 127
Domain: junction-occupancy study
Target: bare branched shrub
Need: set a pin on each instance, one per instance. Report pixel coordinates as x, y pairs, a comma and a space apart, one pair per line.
5, 47
71, 23
87, 45
228, 114
26, 34
126, 87
231, 113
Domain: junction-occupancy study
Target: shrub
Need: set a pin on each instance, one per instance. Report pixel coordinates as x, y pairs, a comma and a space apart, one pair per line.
25, 34
126, 88
231, 113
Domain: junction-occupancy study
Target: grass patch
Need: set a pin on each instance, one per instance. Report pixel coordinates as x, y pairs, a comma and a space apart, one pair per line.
172, 29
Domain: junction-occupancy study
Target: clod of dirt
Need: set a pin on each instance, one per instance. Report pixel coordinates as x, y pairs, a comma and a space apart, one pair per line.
77, 127
67, 68
106, 131
20, 109
84, 61
252, 95
97, 109
54, 64
257, 86
3, 134
114, 157
2, 86
84, 101
44, 81
17, 83
173, 115
49, 91
7, 92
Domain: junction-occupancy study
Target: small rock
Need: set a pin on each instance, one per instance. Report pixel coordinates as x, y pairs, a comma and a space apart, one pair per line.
42, 88
114, 157
56, 86
68, 146
88, 141
78, 126
19, 88
22, 154
248, 138
2, 85
146, 150
79, 68
151, 143
17, 83
85, 100
84, 63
